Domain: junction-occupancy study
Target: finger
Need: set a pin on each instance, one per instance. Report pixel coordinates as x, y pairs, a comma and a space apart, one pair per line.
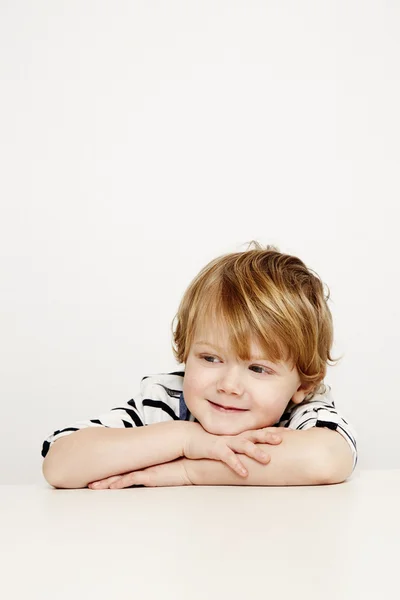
103, 483
123, 482
272, 438
255, 452
134, 478
265, 435
220, 451
230, 458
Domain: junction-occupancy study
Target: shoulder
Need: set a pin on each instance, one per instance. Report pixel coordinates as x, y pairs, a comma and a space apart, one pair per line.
296, 416
170, 384
158, 400
320, 411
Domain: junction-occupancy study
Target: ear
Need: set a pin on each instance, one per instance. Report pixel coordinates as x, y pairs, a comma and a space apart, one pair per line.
301, 393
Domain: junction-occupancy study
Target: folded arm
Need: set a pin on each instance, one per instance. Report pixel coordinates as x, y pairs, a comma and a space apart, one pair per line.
315, 456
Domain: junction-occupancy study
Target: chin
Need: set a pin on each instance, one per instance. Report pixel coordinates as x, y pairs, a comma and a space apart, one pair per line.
222, 429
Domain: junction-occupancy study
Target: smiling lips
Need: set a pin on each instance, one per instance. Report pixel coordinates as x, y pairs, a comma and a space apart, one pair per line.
226, 409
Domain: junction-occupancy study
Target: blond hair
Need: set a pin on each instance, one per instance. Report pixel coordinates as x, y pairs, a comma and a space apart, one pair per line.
265, 295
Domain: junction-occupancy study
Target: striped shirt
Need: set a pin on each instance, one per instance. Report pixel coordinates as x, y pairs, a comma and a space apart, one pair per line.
161, 399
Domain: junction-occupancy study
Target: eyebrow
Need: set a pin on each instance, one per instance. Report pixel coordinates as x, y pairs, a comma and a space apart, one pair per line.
221, 350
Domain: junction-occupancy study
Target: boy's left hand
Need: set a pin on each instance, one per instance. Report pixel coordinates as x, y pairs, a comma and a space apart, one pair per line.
167, 474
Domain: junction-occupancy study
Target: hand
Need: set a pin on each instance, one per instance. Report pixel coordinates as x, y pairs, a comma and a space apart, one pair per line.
172, 473
201, 444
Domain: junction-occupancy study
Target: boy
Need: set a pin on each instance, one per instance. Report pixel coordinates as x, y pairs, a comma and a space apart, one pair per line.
255, 332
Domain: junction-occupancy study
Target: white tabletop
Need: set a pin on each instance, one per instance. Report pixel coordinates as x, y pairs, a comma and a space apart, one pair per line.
198, 542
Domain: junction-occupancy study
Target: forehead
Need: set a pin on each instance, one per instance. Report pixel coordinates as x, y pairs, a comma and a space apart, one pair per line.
214, 333
220, 342
217, 338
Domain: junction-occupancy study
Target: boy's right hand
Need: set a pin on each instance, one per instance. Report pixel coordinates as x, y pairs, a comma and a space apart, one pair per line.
198, 443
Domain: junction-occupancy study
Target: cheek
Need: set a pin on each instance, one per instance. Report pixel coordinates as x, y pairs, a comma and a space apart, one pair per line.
274, 405
198, 382
192, 384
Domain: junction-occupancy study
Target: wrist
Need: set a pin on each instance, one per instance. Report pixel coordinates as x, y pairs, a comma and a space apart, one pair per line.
192, 470
187, 431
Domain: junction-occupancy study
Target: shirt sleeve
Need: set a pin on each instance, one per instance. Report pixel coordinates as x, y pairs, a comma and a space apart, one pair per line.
320, 411
154, 403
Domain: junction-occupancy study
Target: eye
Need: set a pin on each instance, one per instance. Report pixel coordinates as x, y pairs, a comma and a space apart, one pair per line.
263, 368
206, 357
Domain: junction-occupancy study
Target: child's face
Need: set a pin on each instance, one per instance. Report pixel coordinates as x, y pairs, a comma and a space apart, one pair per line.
260, 388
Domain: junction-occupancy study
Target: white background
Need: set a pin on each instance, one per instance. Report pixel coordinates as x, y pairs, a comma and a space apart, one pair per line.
138, 141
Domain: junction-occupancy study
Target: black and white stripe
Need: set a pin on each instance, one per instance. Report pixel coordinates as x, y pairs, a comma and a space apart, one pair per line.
161, 399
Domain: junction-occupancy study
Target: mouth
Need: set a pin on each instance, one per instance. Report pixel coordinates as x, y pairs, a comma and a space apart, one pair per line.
226, 410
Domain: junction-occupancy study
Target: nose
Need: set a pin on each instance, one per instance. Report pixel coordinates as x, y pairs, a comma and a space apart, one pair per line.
229, 383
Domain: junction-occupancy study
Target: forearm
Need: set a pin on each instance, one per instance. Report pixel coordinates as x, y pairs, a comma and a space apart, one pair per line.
95, 453
298, 460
